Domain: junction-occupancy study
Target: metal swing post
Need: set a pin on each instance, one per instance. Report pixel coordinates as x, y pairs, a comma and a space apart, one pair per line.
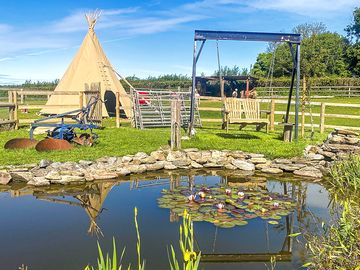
196, 56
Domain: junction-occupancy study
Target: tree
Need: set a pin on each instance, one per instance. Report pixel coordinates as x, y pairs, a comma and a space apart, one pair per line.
322, 54
353, 29
231, 71
353, 50
307, 30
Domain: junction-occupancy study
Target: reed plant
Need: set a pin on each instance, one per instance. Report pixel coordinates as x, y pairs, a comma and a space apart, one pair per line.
113, 263
346, 175
190, 258
338, 247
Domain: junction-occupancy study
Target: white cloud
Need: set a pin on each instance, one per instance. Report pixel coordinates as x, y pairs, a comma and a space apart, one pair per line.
310, 8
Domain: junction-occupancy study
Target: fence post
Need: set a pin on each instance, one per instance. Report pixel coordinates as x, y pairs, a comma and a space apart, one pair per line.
117, 109
349, 92
11, 109
21, 96
322, 118
272, 115
81, 99
175, 142
15, 112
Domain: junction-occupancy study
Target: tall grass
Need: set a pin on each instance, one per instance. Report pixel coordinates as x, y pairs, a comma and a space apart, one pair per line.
339, 245
191, 259
107, 263
346, 174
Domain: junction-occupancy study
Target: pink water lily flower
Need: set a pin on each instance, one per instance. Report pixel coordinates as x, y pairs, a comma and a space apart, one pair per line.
228, 191
241, 194
220, 205
202, 194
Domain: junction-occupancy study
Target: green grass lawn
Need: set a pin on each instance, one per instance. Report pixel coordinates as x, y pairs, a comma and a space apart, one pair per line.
127, 140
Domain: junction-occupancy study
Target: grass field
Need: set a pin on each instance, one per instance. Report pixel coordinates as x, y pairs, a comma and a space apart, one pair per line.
126, 140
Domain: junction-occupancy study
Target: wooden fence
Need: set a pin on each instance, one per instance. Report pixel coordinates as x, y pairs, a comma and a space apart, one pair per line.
314, 91
12, 106
272, 112
83, 98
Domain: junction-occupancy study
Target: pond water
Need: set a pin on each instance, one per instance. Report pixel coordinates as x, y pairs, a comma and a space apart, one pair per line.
58, 227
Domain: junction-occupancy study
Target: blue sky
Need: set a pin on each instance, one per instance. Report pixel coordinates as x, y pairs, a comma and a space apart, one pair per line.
39, 38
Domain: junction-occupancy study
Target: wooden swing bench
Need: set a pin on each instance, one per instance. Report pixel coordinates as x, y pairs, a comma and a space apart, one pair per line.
244, 112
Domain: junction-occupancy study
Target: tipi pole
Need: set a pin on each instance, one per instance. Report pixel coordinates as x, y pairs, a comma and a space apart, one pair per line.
117, 109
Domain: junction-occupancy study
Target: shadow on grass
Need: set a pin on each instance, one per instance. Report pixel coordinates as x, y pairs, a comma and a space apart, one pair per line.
238, 136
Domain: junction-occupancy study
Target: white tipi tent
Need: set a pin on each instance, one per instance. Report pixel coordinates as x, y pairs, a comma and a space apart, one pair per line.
90, 65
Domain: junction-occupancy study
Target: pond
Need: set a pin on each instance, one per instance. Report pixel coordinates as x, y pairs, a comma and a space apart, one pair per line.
58, 227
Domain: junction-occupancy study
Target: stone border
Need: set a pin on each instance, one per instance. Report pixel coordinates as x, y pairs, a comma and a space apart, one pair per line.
315, 163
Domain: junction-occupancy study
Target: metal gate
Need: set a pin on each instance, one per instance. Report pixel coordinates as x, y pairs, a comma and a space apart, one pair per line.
152, 108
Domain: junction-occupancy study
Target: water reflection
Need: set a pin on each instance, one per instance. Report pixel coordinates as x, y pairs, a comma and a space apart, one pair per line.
256, 242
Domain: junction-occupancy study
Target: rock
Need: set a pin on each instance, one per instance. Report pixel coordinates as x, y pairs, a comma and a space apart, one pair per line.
212, 165
137, 169
140, 155
313, 156
336, 139
215, 154
155, 166
253, 155
309, 172
126, 159
271, 170
21, 176
196, 165
236, 154
328, 154
261, 166
53, 175
343, 147
258, 160
181, 163
68, 179
44, 163
188, 150
350, 140
291, 167
85, 162
75, 173
39, 182
346, 132
18, 169
55, 165
175, 155
204, 157
5, 178
158, 155
122, 171
282, 161
311, 149
105, 175
148, 160
230, 167
169, 166
194, 155
37, 172
243, 165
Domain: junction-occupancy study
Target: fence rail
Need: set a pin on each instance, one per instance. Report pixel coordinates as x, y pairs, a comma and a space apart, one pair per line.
322, 91
322, 115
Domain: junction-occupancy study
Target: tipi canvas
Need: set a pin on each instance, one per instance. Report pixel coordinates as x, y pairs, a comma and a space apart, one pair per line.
90, 65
